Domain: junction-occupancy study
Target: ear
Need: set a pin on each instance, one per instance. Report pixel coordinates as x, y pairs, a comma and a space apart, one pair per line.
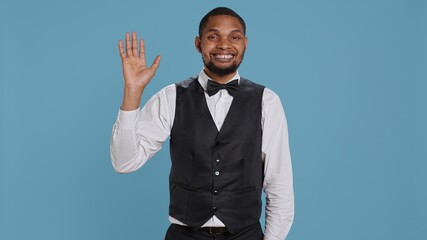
246, 42
197, 44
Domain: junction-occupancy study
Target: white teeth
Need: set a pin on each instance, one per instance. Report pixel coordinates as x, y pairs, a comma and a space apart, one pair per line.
224, 56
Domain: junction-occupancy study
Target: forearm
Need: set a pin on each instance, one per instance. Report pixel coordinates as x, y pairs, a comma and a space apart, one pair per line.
126, 154
279, 212
138, 135
278, 187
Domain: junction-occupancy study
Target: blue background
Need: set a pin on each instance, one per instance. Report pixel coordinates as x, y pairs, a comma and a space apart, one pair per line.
352, 76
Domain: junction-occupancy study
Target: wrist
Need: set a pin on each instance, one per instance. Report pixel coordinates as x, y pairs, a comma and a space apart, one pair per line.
129, 105
131, 99
133, 90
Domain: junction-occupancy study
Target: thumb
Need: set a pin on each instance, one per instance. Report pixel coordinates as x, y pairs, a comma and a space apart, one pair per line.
156, 63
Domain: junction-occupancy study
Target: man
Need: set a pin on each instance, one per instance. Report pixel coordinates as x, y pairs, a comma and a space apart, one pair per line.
228, 138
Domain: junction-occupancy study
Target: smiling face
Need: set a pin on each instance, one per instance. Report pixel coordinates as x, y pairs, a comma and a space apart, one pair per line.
222, 45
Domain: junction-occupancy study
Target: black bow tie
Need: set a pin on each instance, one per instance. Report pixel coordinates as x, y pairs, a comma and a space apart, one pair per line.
214, 87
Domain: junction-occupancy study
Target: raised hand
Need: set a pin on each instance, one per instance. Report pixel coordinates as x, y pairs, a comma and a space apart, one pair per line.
136, 74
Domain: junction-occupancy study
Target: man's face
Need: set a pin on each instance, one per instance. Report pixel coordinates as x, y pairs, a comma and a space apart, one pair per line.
222, 45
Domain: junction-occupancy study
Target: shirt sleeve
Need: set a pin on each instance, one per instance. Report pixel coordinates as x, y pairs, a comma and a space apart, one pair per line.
278, 180
137, 135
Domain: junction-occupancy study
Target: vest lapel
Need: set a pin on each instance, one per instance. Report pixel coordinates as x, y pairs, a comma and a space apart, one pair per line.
204, 106
231, 112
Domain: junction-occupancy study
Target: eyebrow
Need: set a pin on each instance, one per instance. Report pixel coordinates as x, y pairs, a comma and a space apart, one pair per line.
216, 30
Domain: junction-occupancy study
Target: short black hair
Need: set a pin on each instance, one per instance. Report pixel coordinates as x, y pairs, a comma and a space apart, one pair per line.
220, 11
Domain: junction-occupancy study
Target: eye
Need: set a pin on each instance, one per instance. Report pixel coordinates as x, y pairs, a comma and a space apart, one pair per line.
236, 37
212, 37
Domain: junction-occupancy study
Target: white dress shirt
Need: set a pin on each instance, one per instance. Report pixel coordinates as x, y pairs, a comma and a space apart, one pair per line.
139, 134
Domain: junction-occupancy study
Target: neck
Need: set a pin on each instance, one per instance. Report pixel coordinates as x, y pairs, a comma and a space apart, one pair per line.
220, 79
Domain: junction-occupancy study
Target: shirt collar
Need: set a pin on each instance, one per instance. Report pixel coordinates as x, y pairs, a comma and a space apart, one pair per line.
203, 79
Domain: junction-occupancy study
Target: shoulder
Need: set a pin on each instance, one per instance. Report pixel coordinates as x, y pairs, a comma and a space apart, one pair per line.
270, 99
271, 103
185, 83
251, 89
166, 91
170, 89
270, 96
166, 95
250, 83
169, 92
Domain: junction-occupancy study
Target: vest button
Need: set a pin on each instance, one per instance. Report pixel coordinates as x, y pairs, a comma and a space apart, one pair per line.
214, 208
215, 191
217, 160
217, 173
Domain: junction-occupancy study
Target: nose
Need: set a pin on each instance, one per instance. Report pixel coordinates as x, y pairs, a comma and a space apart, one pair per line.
224, 43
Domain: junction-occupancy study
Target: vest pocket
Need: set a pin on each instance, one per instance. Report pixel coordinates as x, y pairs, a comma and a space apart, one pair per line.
244, 205
190, 205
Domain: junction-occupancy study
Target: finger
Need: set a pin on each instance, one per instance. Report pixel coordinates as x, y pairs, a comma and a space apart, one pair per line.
142, 51
121, 49
134, 44
128, 45
156, 63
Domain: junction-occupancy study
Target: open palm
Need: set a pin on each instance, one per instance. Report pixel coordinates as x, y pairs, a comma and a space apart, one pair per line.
135, 71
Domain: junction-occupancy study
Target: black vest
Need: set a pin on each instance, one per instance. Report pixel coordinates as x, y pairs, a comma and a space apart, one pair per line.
216, 173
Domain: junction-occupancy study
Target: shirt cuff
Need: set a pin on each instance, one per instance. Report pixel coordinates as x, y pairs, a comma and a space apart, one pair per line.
127, 119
